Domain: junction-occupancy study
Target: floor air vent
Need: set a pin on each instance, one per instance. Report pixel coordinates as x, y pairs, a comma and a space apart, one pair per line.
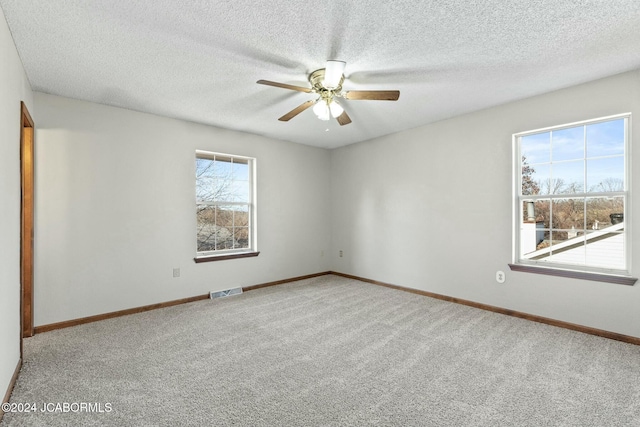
225, 293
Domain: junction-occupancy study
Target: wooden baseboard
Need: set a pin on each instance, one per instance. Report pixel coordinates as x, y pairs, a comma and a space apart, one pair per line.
553, 322
104, 316
280, 282
12, 384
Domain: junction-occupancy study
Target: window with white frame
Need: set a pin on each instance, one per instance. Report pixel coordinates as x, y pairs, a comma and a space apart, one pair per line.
225, 204
572, 204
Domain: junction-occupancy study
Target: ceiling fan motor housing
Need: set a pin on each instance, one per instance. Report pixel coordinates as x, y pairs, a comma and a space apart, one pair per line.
317, 78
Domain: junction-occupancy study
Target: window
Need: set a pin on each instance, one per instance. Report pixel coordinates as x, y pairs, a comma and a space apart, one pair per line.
572, 197
225, 205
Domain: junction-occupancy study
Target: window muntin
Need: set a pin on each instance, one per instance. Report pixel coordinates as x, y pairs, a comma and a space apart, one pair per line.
225, 207
572, 196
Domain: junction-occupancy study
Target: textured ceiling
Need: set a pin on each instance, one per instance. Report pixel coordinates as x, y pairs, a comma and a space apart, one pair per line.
200, 60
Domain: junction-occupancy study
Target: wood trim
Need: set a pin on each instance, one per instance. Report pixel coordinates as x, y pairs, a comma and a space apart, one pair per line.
225, 257
608, 278
26, 223
280, 282
534, 318
104, 316
12, 384
27, 121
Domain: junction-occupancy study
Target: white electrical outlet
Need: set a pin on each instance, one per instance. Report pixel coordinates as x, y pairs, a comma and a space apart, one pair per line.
176, 272
341, 254
500, 276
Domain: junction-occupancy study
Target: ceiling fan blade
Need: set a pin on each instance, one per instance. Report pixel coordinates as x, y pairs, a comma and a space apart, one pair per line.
299, 109
379, 95
343, 119
284, 86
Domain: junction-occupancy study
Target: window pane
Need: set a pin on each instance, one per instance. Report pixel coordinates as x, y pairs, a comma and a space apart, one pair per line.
206, 228
605, 174
221, 186
603, 212
240, 170
204, 167
567, 144
531, 232
241, 237
568, 249
224, 240
545, 242
605, 250
240, 191
204, 179
567, 177
212, 180
224, 216
568, 215
529, 184
224, 227
606, 138
537, 211
536, 148
558, 236
241, 217
222, 168
535, 179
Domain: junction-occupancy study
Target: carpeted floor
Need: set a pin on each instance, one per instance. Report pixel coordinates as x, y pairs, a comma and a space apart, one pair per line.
326, 351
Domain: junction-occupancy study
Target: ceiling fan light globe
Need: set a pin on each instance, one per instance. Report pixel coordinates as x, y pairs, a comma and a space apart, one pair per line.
325, 117
333, 74
336, 109
321, 109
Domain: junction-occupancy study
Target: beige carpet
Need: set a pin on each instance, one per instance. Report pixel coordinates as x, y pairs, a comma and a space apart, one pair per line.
326, 351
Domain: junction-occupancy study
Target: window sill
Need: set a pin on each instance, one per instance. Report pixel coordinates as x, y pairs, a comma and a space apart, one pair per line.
598, 277
210, 258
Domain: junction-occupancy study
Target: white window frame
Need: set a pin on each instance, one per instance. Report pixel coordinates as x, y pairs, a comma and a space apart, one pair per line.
567, 270
252, 250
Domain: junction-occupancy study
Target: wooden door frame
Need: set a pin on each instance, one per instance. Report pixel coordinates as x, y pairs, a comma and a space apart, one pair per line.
26, 223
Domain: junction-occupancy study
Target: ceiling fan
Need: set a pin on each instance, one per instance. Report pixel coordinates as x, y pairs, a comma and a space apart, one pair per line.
327, 83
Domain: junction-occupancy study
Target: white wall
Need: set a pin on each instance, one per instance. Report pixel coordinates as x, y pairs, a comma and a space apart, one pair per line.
14, 87
431, 208
115, 209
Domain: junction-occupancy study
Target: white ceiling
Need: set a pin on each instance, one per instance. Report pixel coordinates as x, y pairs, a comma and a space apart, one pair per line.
200, 60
